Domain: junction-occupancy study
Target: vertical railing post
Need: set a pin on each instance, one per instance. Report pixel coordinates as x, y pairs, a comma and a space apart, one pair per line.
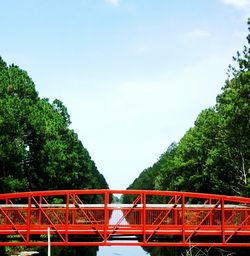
28, 218
183, 218
106, 215
211, 213
67, 218
39, 211
73, 209
175, 219
223, 220
144, 215
6, 211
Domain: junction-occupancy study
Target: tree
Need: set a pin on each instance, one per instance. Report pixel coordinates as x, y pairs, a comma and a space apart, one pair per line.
38, 151
214, 155
233, 105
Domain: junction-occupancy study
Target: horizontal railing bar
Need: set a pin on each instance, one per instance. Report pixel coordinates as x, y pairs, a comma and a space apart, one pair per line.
123, 206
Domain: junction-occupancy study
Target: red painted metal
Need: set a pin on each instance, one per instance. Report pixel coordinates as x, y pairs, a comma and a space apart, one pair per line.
152, 218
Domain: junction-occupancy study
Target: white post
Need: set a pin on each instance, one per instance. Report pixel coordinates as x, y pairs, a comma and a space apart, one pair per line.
49, 249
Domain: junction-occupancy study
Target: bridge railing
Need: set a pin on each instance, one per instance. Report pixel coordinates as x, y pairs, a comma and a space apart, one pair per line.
148, 218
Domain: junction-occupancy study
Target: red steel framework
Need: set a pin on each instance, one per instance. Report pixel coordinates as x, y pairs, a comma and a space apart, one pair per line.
149, 218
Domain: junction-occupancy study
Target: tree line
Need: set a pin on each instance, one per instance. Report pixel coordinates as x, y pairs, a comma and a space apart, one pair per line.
38, 150
214, 155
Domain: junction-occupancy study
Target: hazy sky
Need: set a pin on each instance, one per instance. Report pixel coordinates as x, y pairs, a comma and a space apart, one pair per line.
134, 74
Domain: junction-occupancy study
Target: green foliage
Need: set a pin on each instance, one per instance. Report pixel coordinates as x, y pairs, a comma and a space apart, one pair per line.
38, 151
214, 155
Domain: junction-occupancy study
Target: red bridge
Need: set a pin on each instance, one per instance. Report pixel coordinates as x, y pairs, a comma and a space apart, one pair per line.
150, 218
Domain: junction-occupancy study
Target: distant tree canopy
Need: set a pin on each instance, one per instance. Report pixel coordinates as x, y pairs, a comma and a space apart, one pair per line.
214, 155
38, 151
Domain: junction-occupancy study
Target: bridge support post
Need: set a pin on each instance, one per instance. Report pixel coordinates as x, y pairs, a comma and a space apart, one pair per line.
106, 216
49, 247
28, 219
144, 216
183, 219
223, 220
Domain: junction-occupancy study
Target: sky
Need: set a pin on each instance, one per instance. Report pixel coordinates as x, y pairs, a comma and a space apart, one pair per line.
133, 74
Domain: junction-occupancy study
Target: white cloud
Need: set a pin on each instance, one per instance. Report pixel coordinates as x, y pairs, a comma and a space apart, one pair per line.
198, 33
240, 4
113, 2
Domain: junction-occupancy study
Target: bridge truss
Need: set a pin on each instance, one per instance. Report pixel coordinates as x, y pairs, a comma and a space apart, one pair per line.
149, 218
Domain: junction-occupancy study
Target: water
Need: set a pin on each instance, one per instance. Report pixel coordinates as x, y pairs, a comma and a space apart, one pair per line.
120, 250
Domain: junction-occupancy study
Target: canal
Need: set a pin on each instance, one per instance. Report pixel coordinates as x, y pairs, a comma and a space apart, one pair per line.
120, 250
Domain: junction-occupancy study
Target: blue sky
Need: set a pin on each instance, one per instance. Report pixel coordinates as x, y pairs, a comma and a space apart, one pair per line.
134, 74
